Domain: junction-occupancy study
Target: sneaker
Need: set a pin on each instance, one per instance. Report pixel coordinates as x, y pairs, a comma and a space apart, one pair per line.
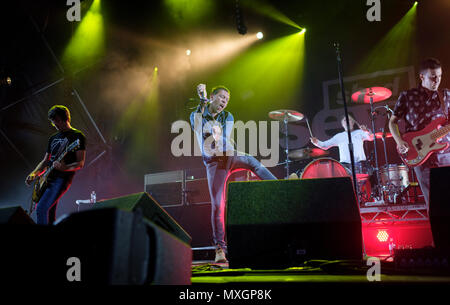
220, 255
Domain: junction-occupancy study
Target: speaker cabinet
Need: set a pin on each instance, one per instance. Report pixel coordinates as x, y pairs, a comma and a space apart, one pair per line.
282, 223
440, 207
151, 210
121, 248
14, 215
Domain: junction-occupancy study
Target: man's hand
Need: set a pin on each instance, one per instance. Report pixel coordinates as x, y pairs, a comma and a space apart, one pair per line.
60, 166
201, 91
364, 128
402, 147
30, 178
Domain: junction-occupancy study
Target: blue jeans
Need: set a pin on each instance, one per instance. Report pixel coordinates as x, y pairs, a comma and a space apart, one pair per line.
217, 172
46, 207
423, 173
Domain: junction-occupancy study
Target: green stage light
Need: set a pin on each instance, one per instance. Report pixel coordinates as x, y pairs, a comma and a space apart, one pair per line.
303, 31
87, 43
141, 123
259, 35
266, 77
270, 11
396, 49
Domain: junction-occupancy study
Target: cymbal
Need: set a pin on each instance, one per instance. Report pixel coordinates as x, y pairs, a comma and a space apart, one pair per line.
291, 115
378, 94
307, 153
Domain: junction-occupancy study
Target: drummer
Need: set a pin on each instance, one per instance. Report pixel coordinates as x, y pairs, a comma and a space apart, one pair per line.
341, 140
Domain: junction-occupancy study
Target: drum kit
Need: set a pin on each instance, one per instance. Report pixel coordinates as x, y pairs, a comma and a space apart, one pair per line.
375, 185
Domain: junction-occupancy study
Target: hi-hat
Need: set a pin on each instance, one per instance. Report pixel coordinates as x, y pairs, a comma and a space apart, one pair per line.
289, 115
377, 94
307, 153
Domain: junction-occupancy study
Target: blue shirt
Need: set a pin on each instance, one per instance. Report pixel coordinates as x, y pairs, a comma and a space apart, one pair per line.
204, 132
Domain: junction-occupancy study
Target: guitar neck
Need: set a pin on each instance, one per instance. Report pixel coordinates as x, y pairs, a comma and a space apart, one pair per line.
440, 132
50, 169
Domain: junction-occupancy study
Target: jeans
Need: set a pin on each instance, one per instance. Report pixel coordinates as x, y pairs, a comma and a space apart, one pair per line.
217, 172
423, 173
46, 207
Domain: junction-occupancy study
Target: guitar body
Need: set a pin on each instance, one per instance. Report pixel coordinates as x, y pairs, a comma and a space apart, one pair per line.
422, 144
41, 183
39, 188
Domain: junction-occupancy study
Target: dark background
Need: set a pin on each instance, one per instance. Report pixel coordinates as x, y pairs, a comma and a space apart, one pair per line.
34, 34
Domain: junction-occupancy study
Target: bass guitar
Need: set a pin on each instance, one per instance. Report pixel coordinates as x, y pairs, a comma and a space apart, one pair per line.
422, 144
41, 183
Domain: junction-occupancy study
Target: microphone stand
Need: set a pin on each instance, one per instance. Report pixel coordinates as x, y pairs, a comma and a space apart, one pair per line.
350, 144
349, 134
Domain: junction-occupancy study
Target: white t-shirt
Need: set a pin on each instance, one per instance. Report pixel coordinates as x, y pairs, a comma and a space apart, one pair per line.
341, 140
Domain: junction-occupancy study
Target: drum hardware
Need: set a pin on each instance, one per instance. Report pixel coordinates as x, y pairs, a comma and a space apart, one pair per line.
307, 153
286, 116
373, 95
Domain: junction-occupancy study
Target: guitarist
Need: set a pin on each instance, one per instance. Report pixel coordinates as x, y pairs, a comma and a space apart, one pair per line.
418, 107
61, 177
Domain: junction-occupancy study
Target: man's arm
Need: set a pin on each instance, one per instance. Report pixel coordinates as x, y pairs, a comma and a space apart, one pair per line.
402, 146
72, 167
325, 144
40, 168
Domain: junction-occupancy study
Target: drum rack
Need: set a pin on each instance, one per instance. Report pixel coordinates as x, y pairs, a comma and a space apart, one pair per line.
394, 213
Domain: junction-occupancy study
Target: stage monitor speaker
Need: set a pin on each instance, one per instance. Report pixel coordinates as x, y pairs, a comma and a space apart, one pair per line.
14, 215
150, 209
440, 207
283, 223
121, 248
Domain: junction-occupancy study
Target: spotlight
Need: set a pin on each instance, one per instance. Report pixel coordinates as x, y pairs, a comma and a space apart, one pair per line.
188, 52
5, 81
302, 31
382, 235
156, 69
415, 3
259, 35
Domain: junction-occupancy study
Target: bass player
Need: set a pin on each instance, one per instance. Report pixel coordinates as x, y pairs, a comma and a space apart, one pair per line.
419, 108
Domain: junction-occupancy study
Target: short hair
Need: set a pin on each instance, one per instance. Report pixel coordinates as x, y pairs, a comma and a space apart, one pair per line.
429, 63
59, 111
216, 89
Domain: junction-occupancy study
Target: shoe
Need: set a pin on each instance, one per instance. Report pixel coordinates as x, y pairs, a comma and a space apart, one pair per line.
220, 255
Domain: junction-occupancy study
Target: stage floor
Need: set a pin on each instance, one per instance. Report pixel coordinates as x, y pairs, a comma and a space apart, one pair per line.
320, 272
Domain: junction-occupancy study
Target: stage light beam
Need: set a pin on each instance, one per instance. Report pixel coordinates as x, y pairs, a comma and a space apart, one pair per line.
87, 43
396, 49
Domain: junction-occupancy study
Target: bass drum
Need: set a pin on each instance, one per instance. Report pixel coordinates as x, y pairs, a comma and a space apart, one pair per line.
324, 168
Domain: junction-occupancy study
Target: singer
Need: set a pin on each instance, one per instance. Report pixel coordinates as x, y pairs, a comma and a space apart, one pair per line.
212, 126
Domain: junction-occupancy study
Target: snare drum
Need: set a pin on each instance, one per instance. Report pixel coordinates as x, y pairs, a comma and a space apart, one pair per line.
324, 168
395, 174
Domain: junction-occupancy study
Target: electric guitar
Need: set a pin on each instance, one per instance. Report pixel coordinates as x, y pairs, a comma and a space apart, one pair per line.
424, 142
41, 184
